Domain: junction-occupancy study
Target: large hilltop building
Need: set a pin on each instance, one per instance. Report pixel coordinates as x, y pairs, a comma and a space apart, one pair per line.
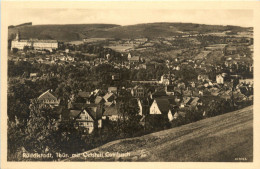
34, 43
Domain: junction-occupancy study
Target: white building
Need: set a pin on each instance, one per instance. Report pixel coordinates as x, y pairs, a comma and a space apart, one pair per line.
34, 43
220, 79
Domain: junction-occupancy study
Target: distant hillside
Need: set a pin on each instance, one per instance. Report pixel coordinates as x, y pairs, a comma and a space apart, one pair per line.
222, 138
58, 32
150, 30
154, 30
24, 24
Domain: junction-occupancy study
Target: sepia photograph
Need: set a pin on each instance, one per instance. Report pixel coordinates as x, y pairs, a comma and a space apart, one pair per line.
118, 84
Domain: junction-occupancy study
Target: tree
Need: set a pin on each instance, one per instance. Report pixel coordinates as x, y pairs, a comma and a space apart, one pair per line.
129, 125
15, 140
40, 129
193, 114
15, 50
26, 48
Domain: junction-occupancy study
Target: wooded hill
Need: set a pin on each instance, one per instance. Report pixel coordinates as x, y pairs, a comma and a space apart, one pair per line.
79, 31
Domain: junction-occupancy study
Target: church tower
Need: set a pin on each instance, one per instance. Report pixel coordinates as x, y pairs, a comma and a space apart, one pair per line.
129, 56
17, 38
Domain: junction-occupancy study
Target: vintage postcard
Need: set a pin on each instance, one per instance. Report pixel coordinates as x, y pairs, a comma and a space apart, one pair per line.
146, 84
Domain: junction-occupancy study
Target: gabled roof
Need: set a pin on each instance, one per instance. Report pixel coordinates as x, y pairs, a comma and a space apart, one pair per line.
112, 89
74, 113
186, 100
177, 114
135, 58
108, 95
195, 92
81, 106
163, 105
219, 76
84, 94
98, 99
108, 104
203, 76
47, 95
177, 89
187, 93
95, 112
171, 99
138, 86
194, 101
159, 93
109, 111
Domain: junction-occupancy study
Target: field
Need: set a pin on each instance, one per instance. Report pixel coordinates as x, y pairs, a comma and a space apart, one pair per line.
120, 48
224, 138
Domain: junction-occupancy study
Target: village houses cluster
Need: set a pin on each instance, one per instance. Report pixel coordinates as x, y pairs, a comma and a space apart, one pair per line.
167, 97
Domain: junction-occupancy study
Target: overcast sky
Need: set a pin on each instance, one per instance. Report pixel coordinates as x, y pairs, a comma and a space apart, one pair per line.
129, 17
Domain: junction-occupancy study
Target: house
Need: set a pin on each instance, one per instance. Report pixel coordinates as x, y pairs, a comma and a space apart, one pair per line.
142, 66
214, 91
231, 50
90, 118
187, 93
225, 95
179, 114
115, 76
135, 59
160, 112
112, 90
159, 93
185, 102
181, 85
196, 92
192, 84
109, 97
246, 81
138, 91
220, 79
96, 92
140, 106
166, 79
170, 115
48, 98
196, 102
33, 75
169, 89
99, 100
111, 113
108, 104
129, 56
203, 77
160, 106
84, 97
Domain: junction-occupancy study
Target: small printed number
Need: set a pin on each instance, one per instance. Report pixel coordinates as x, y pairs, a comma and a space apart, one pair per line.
241, 159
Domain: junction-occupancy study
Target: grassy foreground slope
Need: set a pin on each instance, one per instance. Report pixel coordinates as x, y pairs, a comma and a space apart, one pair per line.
221, 138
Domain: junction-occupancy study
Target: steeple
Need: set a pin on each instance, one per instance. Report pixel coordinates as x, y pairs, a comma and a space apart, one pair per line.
170, 78
17, 36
